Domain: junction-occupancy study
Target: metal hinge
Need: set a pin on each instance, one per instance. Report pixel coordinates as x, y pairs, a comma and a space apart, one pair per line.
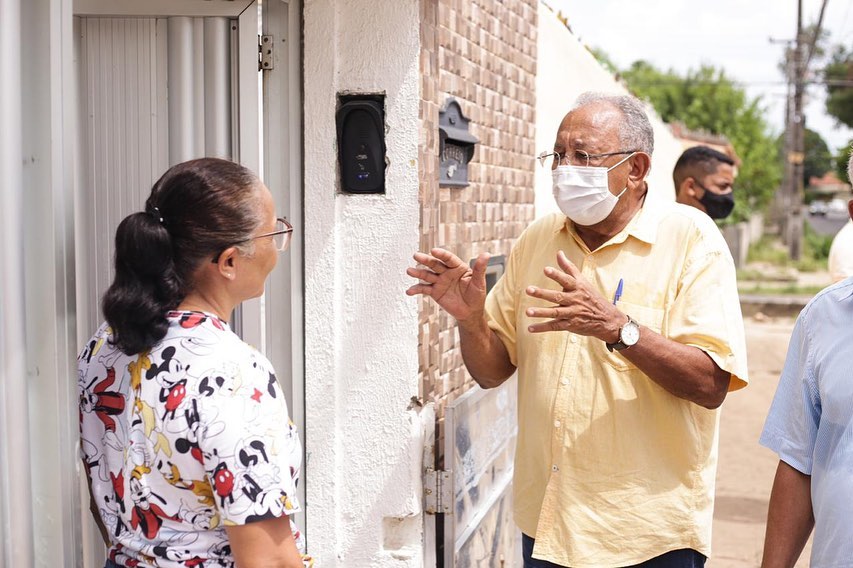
438, 491
265, 53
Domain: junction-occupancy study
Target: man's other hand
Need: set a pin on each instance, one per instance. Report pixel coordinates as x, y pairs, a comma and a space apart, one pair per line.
578, 307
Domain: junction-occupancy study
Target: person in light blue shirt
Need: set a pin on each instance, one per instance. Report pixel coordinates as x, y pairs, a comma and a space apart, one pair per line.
810, 426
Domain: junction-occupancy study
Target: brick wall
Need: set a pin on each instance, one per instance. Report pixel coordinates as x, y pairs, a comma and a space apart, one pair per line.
482, 53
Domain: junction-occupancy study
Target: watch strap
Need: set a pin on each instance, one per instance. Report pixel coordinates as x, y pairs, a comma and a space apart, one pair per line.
618, 345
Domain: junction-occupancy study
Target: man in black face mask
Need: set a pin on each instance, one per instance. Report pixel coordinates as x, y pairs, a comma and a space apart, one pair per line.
703, 179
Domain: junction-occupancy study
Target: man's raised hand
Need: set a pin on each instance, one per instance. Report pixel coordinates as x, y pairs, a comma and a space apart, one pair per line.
576, 307
444, 277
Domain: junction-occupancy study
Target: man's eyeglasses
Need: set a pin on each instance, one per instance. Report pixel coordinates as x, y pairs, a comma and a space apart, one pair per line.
281, 236
577, 158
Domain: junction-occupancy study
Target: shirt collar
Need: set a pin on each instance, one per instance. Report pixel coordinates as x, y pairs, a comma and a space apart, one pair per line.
643, 226
191, 318
847, 293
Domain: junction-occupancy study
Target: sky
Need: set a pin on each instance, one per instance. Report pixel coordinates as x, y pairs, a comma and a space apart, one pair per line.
732, 34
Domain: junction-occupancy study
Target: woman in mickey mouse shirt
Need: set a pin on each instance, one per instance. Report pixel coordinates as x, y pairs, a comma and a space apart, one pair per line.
185, 436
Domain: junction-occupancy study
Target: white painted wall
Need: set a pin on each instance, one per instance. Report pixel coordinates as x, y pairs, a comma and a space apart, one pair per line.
363, 467
565, 69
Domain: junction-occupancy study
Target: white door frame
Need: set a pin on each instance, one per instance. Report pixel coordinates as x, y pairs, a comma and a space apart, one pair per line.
247, 151
282, 173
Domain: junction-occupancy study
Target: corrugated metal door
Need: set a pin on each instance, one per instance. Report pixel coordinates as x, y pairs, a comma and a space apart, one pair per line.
152, 92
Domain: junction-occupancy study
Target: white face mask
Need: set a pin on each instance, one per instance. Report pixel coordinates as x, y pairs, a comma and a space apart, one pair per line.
583, 194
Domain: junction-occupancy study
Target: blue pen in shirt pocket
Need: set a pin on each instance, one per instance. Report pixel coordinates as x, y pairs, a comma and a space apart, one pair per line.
618, 293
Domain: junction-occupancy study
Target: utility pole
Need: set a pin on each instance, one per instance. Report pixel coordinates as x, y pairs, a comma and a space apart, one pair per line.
796, 137
795, 128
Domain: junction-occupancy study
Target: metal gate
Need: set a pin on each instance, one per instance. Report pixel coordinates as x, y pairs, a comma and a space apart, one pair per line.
472, 495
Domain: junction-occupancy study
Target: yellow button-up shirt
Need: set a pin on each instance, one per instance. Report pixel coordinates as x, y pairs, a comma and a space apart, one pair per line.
610, 468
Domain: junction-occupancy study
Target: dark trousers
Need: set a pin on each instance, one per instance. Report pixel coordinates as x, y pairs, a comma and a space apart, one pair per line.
684, 558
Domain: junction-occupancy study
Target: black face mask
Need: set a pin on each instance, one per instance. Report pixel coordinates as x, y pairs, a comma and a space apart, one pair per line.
716, 206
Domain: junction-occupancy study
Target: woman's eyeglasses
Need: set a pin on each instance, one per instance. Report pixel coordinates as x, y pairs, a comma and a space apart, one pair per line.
281, 236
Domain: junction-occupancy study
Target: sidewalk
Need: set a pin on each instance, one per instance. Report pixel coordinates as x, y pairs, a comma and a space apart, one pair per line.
746, 470
774, 285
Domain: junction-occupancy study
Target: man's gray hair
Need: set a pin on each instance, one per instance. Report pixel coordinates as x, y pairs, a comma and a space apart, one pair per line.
635, 132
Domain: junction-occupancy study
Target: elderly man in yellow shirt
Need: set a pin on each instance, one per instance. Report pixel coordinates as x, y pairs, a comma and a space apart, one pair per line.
622, 318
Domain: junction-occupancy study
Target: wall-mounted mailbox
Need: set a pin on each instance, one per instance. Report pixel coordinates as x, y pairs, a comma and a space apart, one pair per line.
456, 145
361, 143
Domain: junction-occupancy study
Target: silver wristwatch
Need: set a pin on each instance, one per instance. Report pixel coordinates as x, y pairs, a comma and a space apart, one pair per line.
629, 334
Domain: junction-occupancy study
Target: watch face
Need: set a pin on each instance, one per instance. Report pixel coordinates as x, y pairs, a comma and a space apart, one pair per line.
630, 333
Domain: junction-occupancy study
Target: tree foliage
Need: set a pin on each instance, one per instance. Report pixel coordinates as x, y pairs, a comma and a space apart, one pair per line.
840, 160
706, 99
839, 98
818, 158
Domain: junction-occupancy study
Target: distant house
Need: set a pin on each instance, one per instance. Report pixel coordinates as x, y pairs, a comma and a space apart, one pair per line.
828, 186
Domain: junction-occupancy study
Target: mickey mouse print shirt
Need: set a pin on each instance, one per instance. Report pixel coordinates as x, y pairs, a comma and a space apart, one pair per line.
184, 440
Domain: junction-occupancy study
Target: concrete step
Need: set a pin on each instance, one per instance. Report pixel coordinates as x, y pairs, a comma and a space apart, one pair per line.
772, 306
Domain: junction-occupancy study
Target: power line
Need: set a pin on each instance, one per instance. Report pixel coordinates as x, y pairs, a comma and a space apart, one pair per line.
815, 35
679, 81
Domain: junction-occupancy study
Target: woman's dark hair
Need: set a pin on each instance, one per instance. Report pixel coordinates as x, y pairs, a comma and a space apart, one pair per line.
195, 211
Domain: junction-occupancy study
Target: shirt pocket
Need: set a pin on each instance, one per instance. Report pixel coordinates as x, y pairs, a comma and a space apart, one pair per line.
651, 318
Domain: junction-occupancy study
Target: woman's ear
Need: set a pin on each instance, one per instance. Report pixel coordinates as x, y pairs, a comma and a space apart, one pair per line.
227, 264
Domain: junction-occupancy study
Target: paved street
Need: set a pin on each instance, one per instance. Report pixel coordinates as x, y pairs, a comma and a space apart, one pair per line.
746, 470
828, 224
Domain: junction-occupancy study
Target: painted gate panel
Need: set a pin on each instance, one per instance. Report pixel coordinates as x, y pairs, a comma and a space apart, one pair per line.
479, 444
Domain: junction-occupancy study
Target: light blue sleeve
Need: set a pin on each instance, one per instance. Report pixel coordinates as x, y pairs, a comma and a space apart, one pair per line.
792, 422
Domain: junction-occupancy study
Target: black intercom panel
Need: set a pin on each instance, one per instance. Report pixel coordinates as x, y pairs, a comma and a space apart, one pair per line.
361, 143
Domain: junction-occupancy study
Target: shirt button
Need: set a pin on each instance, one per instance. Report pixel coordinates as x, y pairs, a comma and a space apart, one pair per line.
554, 468
556, 423
574, 339
564, 382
